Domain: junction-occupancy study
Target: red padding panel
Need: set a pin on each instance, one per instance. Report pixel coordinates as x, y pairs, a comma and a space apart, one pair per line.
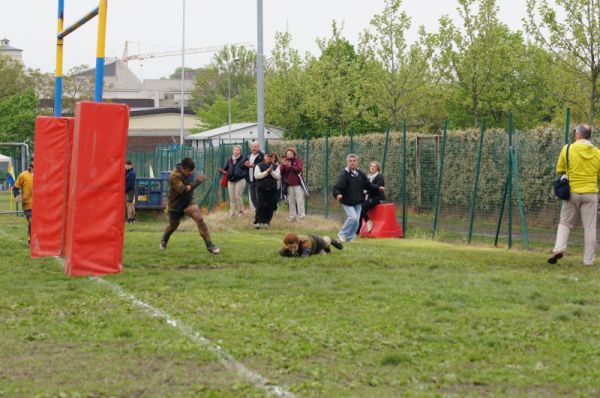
95, 215
53, 140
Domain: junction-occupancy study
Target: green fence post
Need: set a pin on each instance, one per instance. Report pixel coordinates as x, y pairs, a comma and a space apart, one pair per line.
515, 168
440, 176
385, 150
476, 182
404, 193
567, 125
504, 194
326, 179
510, 183
306, 168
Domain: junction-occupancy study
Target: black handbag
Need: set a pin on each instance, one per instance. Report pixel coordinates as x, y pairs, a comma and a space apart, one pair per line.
562, 189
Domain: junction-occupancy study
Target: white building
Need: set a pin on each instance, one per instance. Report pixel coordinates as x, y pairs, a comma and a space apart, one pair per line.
121, 85
239, 132
11, 52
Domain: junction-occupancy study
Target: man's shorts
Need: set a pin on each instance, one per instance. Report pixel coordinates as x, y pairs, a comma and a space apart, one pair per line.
129, 196
176, 215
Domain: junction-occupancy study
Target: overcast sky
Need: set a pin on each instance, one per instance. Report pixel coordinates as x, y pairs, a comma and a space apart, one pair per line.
31, 26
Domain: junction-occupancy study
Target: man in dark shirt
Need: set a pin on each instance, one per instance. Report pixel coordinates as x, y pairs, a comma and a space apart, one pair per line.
181, 202
349, 191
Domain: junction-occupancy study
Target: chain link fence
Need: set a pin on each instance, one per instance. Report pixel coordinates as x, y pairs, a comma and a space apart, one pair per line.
456, 184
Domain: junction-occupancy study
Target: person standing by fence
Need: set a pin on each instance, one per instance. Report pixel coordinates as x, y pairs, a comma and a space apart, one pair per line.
291, 173
250, 161
348, 190
130, 191
236, 181
373, 198
582, 169
267, 175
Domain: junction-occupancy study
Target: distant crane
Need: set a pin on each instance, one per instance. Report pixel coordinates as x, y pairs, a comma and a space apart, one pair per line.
126, 57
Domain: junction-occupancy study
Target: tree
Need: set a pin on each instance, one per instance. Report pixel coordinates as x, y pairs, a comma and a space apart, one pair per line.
479, 65
17, 116
399, 72
575, 42
284, 94
332, 100
13, 78
76, 87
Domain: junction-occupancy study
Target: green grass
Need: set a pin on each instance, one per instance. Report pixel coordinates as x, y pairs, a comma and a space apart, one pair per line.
381, 318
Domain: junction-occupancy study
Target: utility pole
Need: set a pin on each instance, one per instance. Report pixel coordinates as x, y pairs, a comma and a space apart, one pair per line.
182, 99
260, 76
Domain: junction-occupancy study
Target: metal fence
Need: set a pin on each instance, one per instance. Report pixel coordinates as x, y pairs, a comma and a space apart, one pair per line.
476, 185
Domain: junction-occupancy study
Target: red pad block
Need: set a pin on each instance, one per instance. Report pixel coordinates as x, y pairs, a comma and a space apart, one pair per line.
385, 224
53, 140
95, 226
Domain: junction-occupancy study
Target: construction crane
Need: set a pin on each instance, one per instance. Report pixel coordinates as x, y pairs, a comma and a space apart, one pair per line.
126, 57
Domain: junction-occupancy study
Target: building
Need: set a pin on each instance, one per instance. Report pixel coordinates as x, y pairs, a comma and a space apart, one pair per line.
11, 52
239, 132
151, 127
121, 85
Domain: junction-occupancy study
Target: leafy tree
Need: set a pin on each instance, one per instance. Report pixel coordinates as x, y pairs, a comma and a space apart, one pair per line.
574, 41
481, 65
17, 116
243, 109
284, 93
332, 100
13, 78
399, 73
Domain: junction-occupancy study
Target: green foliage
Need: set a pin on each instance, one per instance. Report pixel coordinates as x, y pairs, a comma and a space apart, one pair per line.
573, 40
13, 78
17, 117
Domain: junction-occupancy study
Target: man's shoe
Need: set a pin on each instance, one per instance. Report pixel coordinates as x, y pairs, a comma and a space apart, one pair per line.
257, 225
337, 244
163, 245
213, 249
369, 225
555, 257
341, 238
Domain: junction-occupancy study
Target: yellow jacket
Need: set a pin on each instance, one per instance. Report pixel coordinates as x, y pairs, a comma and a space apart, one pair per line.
25, 184
584, 166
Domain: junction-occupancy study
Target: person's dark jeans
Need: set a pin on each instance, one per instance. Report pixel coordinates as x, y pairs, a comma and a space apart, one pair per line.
366, 206
254, 199
266, 205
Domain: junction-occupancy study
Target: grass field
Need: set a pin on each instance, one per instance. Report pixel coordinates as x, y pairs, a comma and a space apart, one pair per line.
381, 318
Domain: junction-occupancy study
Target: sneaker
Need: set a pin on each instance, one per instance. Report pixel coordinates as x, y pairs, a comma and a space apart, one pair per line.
257, 225
337, 244
369, 225
341, 238
555, 257
163, 245
212, 248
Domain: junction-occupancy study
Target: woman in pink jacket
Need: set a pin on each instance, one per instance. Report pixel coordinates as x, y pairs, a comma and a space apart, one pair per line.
291, 172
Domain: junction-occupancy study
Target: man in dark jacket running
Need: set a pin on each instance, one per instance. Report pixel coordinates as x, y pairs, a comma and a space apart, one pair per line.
348, 190
181, 202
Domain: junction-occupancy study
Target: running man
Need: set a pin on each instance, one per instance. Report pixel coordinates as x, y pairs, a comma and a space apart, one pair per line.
181, 202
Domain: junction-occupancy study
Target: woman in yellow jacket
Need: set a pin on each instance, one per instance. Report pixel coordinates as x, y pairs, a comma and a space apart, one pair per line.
583, 173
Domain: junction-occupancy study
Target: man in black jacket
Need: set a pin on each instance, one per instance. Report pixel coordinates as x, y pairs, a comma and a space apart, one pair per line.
250, 161
348, 190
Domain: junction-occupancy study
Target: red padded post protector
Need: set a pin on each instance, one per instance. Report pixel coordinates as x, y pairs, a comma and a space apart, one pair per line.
96, 211
53, 140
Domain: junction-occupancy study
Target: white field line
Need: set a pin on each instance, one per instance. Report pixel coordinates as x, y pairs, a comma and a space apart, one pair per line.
257, 380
